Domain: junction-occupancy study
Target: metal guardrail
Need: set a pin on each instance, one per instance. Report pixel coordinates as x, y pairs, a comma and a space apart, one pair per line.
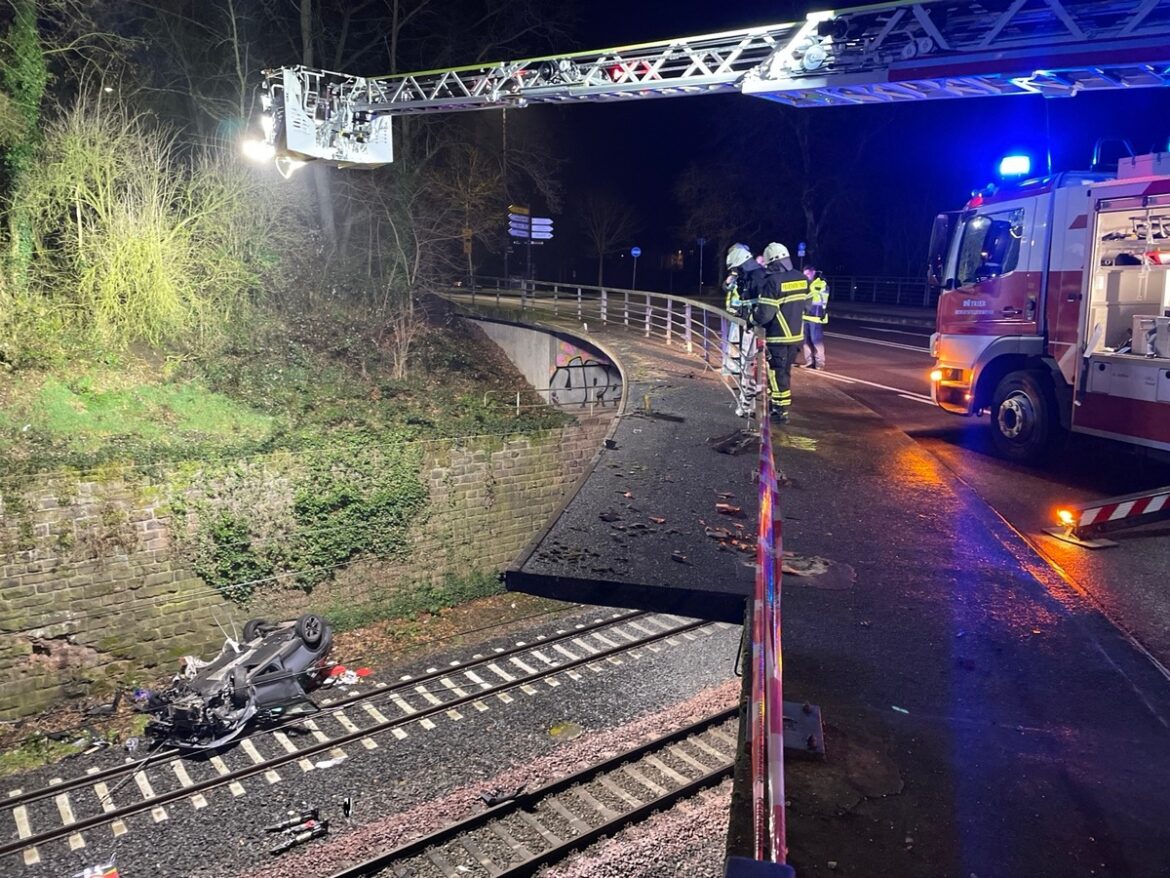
704, 330
901, 291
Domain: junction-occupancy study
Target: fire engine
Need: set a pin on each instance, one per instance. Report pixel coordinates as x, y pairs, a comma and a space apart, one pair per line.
1054, 307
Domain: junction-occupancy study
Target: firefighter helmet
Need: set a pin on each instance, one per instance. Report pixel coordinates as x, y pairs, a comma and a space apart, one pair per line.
738, 255
775, 251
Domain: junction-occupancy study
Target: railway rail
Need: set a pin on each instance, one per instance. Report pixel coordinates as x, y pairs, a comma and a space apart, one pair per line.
532, 829
72, 806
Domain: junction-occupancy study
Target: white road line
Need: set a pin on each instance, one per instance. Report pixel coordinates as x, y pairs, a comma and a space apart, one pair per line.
878, 341
845, 379
923, 399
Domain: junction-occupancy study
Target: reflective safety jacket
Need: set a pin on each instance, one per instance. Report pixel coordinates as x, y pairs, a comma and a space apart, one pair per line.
743, 288
781, 305
818, 304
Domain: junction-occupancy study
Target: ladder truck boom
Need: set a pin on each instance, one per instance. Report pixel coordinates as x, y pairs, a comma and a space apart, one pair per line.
909, 50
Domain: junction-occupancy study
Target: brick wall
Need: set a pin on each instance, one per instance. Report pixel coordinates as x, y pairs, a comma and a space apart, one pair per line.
96, 583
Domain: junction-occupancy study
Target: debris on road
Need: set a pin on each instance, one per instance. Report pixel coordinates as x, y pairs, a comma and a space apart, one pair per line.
498, 797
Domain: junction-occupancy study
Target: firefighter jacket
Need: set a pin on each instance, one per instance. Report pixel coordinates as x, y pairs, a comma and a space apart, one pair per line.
818, 304
744, 288
781, 305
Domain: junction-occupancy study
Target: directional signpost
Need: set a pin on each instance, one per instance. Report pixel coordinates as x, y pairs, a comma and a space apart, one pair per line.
635, 252
521, 224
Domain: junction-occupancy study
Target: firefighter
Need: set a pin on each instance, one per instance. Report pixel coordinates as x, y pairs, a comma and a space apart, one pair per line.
815, 319
780, 312
743, 284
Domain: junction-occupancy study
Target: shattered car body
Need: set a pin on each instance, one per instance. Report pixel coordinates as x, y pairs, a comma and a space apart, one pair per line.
274, 666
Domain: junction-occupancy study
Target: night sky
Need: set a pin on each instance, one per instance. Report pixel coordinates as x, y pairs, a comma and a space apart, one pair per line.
918, 160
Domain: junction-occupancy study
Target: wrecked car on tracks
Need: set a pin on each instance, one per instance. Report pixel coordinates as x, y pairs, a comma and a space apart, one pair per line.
272, 668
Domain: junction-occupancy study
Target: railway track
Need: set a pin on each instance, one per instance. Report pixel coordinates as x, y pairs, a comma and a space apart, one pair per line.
517, 837
68, 808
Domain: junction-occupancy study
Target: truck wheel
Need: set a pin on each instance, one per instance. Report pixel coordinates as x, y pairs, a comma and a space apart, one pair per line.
253, 628
1024, 422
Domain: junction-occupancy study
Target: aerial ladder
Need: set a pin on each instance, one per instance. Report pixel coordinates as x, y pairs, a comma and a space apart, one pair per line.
896, 52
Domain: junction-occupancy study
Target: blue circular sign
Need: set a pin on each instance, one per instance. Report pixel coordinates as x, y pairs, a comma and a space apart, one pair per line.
635, 252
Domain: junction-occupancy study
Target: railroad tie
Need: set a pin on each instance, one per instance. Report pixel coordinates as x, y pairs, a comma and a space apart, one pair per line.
441, 863
643, 780
536, 825
601, 809
619, 792
666, 770
476, 851
501, 832
580, 827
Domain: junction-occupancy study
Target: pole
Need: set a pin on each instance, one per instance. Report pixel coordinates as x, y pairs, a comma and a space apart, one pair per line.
702, 242
634, 281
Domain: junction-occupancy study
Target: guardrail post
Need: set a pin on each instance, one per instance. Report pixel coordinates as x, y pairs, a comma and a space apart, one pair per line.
649, 311
669, 319
626, 309
706, 341
687, 328
604, 305
556, 303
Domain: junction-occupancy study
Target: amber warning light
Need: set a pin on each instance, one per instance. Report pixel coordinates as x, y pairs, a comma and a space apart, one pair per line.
936, 375
1065, 517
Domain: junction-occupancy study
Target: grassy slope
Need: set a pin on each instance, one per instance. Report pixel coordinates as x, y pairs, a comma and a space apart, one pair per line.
292, 382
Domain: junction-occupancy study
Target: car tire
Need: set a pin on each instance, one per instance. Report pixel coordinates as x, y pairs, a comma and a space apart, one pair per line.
1024, 421
253, 628
310, 628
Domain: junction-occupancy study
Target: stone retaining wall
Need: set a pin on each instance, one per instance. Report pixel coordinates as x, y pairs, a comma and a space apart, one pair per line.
97, 586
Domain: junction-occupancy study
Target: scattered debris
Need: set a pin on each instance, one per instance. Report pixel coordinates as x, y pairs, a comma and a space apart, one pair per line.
610, 516
628, 495
736, 442
306, 831
347, 807
105, 709
498, 797
611, 444
295, 820
718, 533
130, 745
725, 495
656, 519
729, 509
679, 557
899, 709
105, 870
329, 763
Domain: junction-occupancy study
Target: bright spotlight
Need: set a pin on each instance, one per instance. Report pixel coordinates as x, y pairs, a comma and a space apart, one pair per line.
258, 150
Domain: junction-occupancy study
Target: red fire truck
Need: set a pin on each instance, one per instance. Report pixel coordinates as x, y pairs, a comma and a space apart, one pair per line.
1054, 307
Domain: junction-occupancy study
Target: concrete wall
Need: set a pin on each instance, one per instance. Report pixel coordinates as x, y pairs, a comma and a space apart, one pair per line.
96, 581
573, 374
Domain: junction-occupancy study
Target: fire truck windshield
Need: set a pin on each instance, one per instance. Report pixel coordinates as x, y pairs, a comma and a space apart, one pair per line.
990, 246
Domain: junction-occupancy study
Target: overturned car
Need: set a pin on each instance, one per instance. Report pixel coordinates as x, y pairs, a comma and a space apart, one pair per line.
274, 667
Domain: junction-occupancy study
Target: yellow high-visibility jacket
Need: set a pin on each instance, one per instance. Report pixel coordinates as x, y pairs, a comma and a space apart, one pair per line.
818, 304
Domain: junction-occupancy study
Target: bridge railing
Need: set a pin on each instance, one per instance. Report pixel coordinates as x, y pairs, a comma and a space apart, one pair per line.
702, 329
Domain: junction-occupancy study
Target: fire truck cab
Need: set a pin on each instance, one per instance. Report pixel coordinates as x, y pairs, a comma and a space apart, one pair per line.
1054, 307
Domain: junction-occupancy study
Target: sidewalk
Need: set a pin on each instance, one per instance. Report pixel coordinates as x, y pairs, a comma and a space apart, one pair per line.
980, 718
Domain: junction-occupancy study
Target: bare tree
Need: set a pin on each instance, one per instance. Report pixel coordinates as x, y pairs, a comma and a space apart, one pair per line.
608, 221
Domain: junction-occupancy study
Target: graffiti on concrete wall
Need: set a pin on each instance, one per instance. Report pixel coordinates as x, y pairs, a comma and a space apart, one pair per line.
579, 380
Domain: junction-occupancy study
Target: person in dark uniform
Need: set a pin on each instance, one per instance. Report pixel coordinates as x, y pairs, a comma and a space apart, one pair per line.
780, 311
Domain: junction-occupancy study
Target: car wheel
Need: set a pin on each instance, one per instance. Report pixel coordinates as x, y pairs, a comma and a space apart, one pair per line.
253, 628
1024, 422
310, 629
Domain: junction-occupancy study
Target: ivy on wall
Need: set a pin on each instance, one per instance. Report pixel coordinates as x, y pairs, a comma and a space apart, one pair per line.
250, 530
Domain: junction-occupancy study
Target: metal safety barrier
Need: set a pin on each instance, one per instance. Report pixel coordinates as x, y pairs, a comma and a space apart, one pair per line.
701, 329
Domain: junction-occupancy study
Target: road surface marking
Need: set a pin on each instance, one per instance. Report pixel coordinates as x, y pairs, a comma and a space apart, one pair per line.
884, 344
845, 379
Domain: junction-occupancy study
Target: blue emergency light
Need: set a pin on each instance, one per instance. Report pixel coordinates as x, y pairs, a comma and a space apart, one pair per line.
1015, 166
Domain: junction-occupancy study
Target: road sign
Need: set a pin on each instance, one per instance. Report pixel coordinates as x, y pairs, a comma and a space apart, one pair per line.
541, 222
800, 249
635, 252
541, 235
519, 209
